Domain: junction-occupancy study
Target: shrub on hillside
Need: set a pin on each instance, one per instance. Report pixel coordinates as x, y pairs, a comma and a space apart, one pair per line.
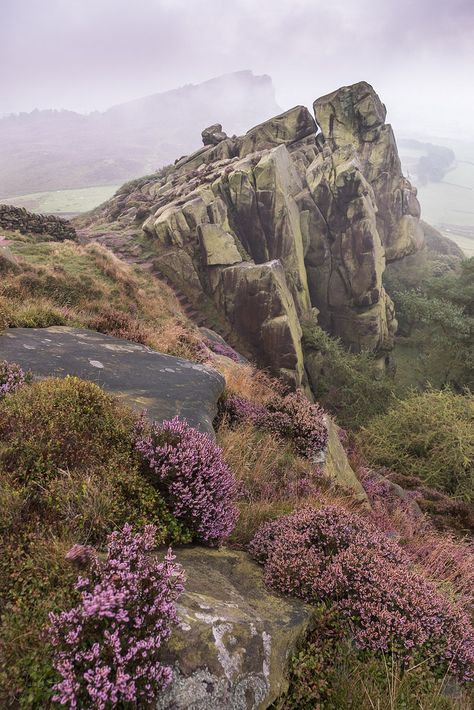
329, 673
430, 436
67, 454
69, 472
119, 324
190, 472
12, 377
338, 557
291, 417
61, 424
107, 647
348, 385
221, 349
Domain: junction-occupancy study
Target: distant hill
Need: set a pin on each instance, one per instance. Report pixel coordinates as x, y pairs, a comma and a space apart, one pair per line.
52, 150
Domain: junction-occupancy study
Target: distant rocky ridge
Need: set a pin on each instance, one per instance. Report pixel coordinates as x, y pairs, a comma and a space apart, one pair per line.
52, 150
19, 219
295, 219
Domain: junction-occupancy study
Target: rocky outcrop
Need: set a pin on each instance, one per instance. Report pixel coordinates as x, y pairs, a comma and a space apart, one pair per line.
286, 222
232, 647
18, 219
162, 385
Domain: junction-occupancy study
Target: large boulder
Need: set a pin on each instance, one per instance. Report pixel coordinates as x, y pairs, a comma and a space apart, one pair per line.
165, 386
332, 208
235, 637
288, 127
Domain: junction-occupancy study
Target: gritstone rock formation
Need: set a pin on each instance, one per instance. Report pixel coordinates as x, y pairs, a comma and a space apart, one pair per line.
295, 219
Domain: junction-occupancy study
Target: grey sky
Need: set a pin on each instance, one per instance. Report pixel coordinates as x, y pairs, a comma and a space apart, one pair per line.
90, 54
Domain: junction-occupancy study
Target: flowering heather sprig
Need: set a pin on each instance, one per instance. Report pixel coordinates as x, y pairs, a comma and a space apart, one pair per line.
106, 649
12, 377
292, 417
192, 475
336, 556
222, 349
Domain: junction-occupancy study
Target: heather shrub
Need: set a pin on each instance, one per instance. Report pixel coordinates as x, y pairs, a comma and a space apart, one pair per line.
122, 325
291, 417
12, 378
340, 558
106, 648
222, 349
59, 424
67, 453
34, 579
430, 436
330, 673
190, 472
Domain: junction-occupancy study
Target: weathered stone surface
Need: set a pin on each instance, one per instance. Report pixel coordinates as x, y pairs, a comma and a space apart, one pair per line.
218, 246
257, 302
212, 135
350, 114
288, 127
337, 467
19, 219
353, 118
331, 208
163, 385
235, 637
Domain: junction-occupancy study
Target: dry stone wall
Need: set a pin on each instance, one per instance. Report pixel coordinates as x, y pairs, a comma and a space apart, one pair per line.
18, 219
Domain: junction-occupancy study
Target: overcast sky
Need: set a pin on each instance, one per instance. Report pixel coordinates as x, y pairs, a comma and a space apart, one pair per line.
90, 54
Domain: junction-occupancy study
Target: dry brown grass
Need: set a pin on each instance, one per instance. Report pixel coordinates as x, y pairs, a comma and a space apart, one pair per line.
272, 479
88, 286
246, 380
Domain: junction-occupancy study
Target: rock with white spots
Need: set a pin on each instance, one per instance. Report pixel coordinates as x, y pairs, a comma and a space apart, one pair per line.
165, 386
235, 637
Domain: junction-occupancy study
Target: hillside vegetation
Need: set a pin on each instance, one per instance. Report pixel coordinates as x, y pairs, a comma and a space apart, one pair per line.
392, 587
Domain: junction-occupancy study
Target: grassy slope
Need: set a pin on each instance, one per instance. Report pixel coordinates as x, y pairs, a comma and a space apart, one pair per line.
63, 201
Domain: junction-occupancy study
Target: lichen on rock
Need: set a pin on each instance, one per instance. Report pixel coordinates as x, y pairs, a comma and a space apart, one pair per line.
297, 216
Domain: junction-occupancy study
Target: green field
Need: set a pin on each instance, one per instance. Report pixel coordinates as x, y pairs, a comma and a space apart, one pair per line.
448, 205
63, 201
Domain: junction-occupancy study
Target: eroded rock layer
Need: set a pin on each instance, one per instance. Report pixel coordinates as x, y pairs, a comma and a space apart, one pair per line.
294, 220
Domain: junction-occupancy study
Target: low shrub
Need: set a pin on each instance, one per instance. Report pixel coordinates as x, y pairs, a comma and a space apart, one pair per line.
12, 378
348, 385
340, 558
428, 435
119, 324
221, 349
61, 424
291, 417
329, 673
190, 472
106, 648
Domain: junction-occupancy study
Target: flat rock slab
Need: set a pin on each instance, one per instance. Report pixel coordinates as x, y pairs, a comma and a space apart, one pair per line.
145, 379
232, 648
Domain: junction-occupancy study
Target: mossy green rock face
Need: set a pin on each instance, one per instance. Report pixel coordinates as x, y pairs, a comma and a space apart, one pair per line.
288, 127
235, 637
337, 467
331, 208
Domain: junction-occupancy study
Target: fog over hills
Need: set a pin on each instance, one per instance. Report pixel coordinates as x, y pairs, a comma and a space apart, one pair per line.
51, 150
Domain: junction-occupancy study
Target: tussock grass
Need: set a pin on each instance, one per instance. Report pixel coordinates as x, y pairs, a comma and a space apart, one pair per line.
88, 286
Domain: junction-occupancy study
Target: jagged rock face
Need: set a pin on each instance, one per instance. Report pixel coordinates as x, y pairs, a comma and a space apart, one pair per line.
284, 223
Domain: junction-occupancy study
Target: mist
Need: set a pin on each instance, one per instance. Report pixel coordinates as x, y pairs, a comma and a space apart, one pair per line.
87, 55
